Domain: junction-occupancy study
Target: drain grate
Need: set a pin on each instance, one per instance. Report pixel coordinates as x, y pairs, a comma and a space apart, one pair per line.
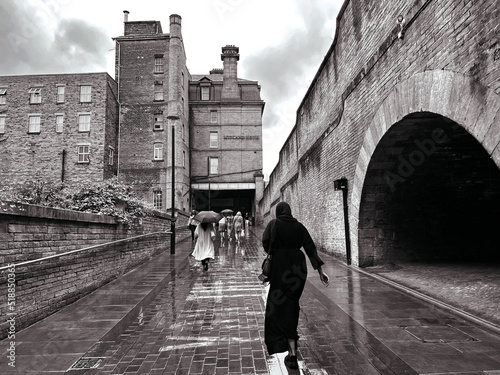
439, 334
85, 363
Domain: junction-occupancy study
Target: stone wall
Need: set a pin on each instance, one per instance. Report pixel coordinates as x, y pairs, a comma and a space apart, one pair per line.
58, 256
445, 64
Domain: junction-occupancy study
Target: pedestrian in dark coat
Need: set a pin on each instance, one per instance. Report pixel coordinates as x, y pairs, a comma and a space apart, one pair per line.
288, 276
192, 224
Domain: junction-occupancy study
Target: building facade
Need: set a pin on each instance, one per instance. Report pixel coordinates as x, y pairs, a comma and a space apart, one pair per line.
153, 80
191, 140
226, 138
58, 127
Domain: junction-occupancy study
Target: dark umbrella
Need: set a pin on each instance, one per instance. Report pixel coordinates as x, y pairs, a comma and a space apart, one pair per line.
208, 217
227, 211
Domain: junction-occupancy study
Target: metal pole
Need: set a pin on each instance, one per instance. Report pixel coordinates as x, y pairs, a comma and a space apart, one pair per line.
346, 225
341, 184
172, 215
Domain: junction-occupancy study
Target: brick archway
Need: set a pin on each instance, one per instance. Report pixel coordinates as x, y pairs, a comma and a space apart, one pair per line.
452, 95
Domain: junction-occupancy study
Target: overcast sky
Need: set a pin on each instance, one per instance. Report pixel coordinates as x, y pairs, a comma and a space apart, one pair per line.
282, 43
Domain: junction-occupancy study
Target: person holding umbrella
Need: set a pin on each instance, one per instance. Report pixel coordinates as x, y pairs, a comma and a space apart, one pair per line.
205, 233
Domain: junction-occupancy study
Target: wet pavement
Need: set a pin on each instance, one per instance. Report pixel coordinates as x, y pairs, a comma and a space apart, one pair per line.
171, 317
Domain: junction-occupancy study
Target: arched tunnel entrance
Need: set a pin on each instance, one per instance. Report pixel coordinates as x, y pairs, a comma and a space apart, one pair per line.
431, 193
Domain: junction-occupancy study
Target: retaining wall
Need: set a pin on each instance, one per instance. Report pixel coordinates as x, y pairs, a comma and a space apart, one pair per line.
51, 258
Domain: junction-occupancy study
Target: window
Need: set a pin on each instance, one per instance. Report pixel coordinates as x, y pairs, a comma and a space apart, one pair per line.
214, 117
158, 63
84, 122
3, 95
213, 166
85, 94
111, 155
184, 159
157, 199
59, 122
182, 105
158, 121
83, 153
35, 95
205, 93
182, 80
34, 124
60, 93
2, 124
158, 151
158, 92
214, 139
183, 131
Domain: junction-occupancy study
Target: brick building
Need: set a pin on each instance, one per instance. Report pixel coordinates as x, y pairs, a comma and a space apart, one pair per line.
226, 138
153, 81
90, 127
58, 127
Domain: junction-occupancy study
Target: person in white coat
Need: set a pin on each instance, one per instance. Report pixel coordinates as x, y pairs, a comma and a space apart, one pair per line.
204, 249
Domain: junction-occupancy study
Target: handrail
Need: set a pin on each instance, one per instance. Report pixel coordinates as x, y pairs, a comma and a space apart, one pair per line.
77, 251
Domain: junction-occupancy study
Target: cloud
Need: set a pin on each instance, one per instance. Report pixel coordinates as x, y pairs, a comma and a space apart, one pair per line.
285, 71
35, 40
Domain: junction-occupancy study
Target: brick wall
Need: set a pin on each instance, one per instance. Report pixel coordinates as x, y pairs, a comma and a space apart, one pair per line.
446, 64
37, 241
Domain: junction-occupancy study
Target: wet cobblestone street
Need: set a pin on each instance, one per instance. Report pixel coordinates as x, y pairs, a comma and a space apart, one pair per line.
171, 317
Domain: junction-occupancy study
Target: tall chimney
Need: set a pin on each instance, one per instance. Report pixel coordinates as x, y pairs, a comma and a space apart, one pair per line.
175, 26
125, 15
230, 90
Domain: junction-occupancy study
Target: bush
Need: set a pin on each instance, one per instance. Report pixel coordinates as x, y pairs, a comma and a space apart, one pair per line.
108, 197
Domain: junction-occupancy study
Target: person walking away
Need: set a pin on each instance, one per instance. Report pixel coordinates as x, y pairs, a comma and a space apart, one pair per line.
238, 226
222, 228
204, 248
285, 236
247, 221
191, 225
229, 227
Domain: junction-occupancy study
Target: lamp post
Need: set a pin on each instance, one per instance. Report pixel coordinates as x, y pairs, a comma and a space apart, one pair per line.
171, 120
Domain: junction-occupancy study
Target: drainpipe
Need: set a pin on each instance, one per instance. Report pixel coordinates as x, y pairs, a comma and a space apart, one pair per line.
119, 113
341, 184
62, 164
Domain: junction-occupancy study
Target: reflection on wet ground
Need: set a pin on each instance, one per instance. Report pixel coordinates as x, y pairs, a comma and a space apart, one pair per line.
171, 317
212, 323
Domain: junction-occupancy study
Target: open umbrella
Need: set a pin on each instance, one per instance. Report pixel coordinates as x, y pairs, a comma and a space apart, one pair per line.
208, 217
227, 211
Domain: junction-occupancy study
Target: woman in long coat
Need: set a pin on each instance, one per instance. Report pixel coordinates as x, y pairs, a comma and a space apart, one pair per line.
204, 248
288, 276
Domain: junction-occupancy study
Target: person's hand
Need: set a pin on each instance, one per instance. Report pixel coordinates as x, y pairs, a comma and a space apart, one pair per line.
324, 279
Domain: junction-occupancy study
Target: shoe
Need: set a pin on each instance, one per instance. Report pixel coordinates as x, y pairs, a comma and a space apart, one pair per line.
291, 362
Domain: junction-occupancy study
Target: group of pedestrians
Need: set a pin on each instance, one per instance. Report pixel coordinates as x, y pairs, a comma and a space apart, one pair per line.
230, 225
283, 238
204, 233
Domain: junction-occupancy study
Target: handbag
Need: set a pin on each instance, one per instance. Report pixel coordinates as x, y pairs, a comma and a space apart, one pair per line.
266, 269
267, 265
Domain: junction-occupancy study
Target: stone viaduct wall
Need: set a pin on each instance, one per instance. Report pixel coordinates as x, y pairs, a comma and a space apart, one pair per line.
54, 257
385, 112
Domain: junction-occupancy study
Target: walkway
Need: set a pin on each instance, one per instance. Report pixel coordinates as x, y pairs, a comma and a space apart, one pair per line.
170, 317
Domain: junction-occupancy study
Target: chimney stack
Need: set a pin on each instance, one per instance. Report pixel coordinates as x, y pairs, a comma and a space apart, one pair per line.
230, 90
125, 15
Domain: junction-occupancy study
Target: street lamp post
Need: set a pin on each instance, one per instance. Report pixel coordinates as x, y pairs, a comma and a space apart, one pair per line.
172, 214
